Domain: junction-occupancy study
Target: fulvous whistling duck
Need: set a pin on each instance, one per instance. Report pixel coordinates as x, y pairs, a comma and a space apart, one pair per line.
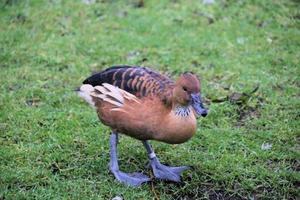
145, 105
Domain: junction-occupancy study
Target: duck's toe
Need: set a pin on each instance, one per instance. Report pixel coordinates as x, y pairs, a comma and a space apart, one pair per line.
133, 179
180, 169
164, 172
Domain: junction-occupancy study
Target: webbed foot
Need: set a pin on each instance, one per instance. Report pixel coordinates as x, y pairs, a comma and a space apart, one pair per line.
164, 172
133, 179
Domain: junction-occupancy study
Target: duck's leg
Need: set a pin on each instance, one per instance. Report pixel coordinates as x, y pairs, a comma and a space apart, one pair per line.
133, 179
161, 171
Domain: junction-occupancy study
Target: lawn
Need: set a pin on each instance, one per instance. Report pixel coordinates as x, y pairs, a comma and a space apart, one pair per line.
247, 53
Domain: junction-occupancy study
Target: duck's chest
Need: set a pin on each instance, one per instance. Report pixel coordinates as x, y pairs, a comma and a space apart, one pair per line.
179, 126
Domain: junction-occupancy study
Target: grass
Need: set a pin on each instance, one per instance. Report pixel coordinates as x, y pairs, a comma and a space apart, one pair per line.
52, 145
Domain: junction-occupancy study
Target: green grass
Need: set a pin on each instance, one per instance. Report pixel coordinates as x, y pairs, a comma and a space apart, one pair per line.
52, 145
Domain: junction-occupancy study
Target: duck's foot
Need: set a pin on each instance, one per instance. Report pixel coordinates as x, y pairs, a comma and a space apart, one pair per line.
164, 172
133, 179
161, 171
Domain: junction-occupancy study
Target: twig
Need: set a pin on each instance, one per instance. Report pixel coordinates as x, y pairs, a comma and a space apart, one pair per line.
156, 197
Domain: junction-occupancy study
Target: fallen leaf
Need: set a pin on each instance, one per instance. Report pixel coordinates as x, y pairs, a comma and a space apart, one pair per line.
208, 2
266, 146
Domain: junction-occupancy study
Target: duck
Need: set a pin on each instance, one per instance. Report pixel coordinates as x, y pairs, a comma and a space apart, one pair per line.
145, 105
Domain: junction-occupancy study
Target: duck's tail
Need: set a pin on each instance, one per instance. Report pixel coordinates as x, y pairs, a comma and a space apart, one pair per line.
85, 92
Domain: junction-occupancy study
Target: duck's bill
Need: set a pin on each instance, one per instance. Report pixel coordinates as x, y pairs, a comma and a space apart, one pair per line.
197, 105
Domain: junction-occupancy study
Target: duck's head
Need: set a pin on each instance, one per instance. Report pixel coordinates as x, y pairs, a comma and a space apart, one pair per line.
187, 91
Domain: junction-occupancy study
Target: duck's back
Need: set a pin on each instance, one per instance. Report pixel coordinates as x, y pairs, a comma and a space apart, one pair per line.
139, 81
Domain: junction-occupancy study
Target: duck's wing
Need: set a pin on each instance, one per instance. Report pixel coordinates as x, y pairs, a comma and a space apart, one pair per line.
139, 81
108, 93
123, 111
114, 95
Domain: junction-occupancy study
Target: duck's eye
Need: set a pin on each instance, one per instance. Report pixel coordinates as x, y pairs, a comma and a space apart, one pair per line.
184, 88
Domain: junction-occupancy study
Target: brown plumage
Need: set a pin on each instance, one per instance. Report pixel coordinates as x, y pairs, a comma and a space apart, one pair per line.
150, 116
139, 81
146, 105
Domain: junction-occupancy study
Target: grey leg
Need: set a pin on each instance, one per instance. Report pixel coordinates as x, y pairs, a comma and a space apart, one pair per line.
133, 179
117, 138
161, 171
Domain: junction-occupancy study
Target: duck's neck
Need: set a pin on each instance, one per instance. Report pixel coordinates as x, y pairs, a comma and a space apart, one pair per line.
182, 111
